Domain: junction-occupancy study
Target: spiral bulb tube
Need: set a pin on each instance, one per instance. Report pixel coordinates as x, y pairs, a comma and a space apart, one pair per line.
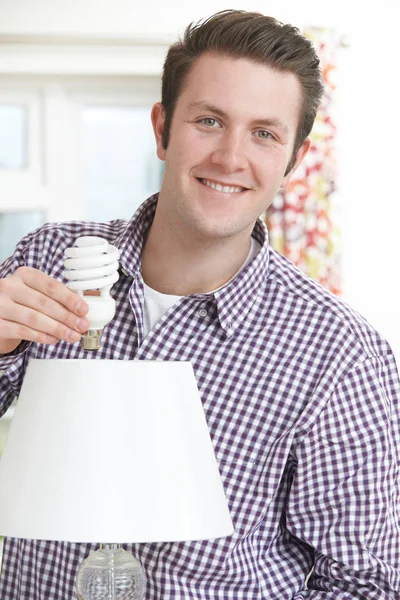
92, 264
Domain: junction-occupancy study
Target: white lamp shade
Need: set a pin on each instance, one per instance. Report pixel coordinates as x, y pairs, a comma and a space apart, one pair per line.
110, 451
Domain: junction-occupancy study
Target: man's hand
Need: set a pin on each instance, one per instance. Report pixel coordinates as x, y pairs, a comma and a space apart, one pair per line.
37, 308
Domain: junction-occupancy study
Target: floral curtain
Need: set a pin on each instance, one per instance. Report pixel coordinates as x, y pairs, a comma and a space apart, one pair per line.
302, 220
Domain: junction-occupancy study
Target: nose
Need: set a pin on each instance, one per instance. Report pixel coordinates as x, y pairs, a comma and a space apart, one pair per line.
230, 152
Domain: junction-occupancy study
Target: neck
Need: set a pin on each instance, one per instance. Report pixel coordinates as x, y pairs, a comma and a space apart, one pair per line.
183, 265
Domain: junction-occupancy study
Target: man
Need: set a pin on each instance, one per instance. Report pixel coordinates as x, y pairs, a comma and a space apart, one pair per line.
301, 395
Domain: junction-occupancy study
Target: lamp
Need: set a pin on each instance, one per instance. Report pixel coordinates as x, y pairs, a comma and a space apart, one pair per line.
110, 451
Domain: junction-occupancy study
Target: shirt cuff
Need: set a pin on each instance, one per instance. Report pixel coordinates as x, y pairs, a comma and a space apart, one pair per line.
7, 359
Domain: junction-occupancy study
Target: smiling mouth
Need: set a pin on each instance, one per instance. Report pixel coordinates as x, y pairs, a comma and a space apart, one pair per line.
227, 189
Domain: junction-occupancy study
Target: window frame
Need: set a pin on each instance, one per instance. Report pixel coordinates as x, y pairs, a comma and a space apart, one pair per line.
55, 76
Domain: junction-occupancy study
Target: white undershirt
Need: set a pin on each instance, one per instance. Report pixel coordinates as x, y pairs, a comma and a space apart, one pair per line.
157, 304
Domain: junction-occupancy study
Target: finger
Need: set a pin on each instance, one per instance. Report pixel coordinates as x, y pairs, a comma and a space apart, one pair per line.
49, 307
16, 315
52, 288
16, 331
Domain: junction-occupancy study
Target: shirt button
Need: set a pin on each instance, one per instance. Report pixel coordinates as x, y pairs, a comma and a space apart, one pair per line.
229, 332
202, 312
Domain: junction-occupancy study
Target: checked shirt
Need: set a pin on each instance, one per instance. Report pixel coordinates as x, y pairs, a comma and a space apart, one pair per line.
301, 398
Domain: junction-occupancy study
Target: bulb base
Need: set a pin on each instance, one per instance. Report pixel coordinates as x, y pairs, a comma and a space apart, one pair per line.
91, 339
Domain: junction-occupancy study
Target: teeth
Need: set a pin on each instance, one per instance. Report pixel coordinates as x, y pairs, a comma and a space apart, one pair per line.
221, 188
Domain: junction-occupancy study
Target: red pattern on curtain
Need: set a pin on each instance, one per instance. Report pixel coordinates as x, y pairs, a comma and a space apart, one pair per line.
302, 220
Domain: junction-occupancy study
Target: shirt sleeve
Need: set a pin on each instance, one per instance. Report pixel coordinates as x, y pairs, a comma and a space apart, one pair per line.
12, 365
345, 499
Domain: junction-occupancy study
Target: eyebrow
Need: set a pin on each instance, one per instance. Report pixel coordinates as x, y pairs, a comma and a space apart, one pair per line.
271, 122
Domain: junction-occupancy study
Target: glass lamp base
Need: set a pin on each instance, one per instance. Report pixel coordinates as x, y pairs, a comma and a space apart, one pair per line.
110, 573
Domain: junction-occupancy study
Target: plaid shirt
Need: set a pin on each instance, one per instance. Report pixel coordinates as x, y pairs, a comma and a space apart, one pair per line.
301, 397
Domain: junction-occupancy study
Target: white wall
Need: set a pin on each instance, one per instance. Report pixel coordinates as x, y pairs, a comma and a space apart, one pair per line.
369, 115
155, 16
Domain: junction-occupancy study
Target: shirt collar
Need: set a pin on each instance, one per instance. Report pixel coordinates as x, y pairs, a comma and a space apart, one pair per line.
130, 241
233, 300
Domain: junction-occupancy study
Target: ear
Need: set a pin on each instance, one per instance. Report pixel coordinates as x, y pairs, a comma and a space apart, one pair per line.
301, 153
157, 120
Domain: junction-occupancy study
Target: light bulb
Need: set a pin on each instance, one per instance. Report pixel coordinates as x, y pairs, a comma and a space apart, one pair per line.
92, 264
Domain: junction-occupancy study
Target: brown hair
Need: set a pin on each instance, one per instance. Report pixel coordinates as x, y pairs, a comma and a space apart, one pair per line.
253, 36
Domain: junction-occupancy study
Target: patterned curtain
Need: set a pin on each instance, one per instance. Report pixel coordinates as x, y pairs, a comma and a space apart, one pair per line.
302, 220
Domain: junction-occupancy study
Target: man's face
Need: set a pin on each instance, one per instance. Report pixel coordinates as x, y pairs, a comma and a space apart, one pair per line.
231, 139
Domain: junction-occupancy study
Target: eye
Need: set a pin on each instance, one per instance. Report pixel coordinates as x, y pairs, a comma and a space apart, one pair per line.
263, 134
209, 122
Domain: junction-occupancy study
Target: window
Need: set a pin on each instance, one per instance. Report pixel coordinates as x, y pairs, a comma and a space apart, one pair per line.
74, 148
13, 137
121, 168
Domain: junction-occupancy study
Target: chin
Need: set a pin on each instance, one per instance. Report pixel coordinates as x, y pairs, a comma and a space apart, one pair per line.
214, 222
218, 229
